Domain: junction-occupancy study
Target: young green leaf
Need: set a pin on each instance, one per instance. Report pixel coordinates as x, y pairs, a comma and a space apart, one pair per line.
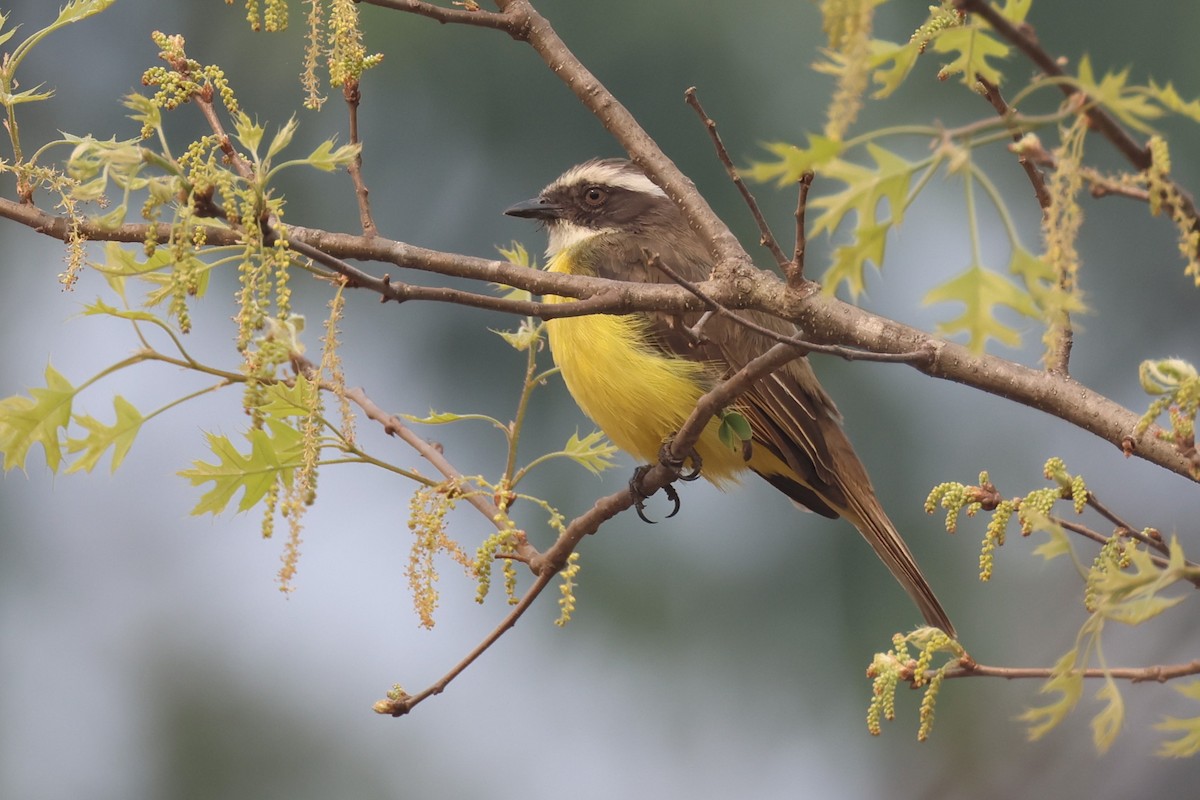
793, 161
982, 290
273, 457
593, 452
119, 436
1188, 743
865, 188
297, 400
974, 46
734, 430
37, 419
328, 158
850, 260
1068, 682
1107, 724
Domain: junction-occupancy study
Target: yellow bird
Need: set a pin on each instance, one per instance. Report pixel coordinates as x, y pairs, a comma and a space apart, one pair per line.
639, 376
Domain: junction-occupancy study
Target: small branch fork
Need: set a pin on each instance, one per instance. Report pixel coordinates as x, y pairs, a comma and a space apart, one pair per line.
793, 268
1102, 121
991, 93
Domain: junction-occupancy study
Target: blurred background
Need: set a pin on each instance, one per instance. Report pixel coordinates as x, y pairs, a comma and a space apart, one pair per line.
146, 653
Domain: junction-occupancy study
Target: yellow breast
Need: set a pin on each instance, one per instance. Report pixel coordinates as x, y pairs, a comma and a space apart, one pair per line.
634, 392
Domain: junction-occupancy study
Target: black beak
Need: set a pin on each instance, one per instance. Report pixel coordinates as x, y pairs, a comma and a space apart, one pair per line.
537, 208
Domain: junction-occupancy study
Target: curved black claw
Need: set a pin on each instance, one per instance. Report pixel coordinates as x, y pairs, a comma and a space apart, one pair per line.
673, 496
639, 495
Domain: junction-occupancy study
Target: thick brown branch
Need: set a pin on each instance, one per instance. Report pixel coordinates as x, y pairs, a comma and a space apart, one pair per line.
824, 319
797, 341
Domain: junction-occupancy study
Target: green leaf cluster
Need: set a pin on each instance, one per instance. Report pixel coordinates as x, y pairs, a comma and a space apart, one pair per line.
996, 303
1127, 582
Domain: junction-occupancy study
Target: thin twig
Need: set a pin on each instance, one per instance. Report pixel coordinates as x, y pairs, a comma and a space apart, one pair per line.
794, 269
766, 238
404, 703
1036, 179
352, 91
1104, 511
1101, 120
477, 17
1157, 674
796, 341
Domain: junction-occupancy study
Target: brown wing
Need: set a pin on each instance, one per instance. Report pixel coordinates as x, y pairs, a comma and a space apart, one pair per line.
789, 412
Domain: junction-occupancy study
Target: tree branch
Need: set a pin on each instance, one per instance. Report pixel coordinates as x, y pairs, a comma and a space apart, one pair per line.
1157, 674
645, 152
1102, 121
478, 18
825, 320
766, 238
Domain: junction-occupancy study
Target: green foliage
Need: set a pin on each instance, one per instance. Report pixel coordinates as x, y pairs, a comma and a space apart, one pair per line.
1187, 744
1046, 286
734, 430
982, 291
40, 418
1128, 582
273, 457
100, 437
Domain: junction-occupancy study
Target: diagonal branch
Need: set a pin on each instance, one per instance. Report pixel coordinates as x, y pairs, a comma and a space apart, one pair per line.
1101, 120
645, 152
766, 238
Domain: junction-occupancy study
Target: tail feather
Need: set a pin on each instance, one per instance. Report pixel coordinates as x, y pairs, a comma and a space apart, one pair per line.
885, 540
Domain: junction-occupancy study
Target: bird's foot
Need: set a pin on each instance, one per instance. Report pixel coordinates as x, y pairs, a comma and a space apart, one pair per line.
678, 466
640, 494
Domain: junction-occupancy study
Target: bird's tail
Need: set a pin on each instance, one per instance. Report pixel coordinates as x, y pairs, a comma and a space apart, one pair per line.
873, 523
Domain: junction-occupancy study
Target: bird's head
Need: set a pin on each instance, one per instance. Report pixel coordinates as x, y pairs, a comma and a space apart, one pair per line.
602, 196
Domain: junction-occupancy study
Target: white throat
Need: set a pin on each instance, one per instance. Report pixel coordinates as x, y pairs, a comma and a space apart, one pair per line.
565, 235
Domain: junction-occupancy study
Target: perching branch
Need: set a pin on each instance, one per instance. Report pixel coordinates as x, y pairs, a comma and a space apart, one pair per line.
548, 564
825, 320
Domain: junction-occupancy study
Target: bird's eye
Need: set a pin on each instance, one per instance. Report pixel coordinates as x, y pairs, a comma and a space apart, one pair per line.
594, 196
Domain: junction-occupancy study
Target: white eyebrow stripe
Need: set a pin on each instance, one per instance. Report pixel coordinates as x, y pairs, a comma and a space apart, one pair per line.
607, 174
